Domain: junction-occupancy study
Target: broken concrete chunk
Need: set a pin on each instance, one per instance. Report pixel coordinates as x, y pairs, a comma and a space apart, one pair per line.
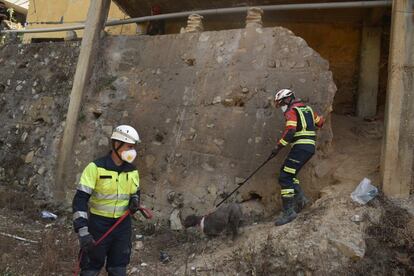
175, 220
29, 157
41, 170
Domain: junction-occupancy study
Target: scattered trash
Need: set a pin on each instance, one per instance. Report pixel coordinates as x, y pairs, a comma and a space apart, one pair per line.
164, 258
357, 218
139, 245
139, 237
17, 237
193, 268
134, 270
144, 264
48, 215
364, 192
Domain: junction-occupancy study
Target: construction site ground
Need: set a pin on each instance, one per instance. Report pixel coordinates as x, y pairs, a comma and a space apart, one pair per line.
260, 248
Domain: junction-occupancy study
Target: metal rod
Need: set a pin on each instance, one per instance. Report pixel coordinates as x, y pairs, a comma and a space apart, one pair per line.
271, 156
337, 5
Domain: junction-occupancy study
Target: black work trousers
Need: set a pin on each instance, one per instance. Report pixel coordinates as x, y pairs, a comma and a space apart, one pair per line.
115, 249
298, 156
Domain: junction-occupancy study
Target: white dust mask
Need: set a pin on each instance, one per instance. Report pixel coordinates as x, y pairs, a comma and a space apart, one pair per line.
284, 108
129, 155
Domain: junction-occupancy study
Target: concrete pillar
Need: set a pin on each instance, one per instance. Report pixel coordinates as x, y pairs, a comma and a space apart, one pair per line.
96, 18
369, 71
397, 151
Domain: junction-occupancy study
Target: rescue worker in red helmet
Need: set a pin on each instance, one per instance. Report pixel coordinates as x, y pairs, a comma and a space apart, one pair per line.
110, 186
300, 131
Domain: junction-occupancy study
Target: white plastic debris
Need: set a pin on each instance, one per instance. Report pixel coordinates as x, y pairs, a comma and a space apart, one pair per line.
357, 218
364, 192
48, 215
144, 264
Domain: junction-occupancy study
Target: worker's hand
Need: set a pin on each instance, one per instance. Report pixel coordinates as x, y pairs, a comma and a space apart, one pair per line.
276, 150
134, 204
86, 240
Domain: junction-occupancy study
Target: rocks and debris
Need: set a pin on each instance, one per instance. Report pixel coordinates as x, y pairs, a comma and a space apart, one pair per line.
194, 24
175, 220
175, 199
139, 245
357, 218
29, 157
164, 257
254, 17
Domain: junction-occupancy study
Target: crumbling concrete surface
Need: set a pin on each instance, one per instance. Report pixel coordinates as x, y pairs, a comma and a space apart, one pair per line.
200, 101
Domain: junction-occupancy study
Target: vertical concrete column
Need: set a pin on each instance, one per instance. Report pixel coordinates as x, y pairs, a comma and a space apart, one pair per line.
397, 150
369, 71
95, 22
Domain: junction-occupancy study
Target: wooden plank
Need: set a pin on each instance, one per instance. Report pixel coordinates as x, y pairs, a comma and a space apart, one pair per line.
97, 16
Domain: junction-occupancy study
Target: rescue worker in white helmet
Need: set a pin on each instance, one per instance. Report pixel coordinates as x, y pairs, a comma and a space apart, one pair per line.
110, 186
300, 131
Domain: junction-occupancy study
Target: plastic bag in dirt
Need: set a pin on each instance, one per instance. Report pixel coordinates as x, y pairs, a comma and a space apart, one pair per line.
364, 192
48, 215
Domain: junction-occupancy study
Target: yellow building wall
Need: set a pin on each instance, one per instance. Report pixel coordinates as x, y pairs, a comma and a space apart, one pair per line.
42, 12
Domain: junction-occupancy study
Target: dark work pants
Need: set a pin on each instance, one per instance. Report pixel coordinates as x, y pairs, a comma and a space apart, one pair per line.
115, 249
298, 156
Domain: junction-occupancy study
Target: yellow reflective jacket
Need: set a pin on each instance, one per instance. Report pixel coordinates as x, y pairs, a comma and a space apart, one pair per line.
110, 186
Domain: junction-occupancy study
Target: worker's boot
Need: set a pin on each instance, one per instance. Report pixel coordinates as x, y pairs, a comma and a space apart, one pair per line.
300, 199
288, 213
117, 271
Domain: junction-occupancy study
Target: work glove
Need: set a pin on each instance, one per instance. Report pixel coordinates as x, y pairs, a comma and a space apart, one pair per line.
134, 204
86, 240
276, 150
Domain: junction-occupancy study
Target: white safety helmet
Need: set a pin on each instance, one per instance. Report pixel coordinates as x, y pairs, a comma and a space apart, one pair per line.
284, 93
126, 134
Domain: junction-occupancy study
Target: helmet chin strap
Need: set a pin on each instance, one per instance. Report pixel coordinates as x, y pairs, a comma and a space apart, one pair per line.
290, 101
116, 149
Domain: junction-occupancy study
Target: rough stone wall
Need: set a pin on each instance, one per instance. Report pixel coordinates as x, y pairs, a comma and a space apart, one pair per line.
201, 103
35, 82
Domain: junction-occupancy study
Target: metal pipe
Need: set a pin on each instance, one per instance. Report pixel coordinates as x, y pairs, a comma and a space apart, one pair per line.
337, 5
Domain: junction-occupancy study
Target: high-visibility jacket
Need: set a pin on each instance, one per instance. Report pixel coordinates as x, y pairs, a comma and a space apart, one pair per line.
301, 125
107, 189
